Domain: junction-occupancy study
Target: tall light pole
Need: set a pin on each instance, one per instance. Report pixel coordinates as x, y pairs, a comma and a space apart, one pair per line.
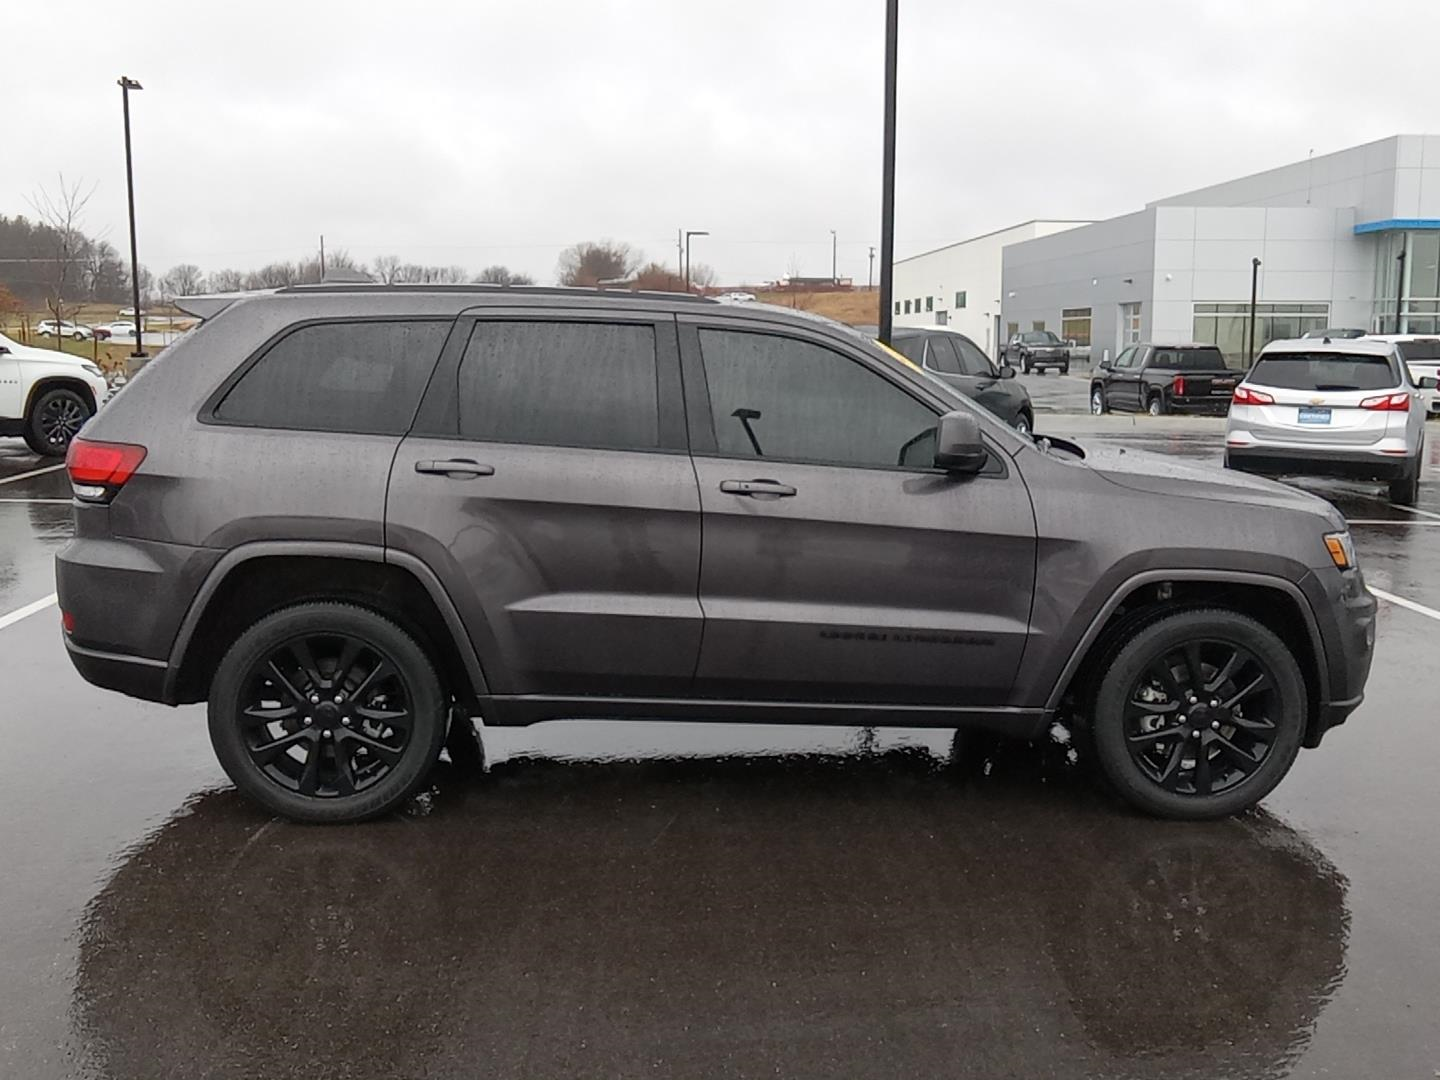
870, 275
887, 169
127, 84
688, 234
834, 258
1400, 285
1254, 290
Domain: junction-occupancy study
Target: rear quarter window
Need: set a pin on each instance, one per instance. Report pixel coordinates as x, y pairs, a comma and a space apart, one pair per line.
1324, 372
364, 377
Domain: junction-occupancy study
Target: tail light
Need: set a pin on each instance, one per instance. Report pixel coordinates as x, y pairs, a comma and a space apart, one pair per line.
1178, 385
1245, 395
1387, 403
99, 469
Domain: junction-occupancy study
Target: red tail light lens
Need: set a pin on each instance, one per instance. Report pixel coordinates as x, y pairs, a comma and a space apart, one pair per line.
99, 469
1387, 403
1245, 395
1179, 384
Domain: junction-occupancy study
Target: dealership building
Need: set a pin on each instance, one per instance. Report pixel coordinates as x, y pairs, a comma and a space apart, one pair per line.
1329, 233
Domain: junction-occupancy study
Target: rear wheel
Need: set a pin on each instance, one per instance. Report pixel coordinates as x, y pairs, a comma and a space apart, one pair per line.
1065, 369
56, 417
326, 712
1406, 490
1156, 405
1024, 424
1200, 715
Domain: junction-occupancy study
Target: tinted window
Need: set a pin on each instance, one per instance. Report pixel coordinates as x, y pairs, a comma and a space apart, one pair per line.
1324, 371
1426, 349
1188, 359
1039, 337
942, 355
775, 397
560, 384
356, 376
972, 360
911, 346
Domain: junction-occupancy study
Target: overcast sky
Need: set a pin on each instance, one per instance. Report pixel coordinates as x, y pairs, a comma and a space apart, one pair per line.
481, 132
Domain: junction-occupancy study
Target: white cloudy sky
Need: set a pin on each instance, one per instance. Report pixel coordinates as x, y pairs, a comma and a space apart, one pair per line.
484, 132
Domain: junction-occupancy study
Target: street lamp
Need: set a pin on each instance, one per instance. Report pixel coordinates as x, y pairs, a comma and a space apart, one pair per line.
887, 176
834, 273
688, 234
1254, 293
127, 84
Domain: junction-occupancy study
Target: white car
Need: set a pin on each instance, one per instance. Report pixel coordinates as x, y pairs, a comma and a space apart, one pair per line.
736, 298
119, 329
1331, 408
1421, 353
51, 328
46, 396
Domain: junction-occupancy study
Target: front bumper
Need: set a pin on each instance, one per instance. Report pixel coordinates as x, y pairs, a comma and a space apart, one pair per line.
1316, 461
1347, 631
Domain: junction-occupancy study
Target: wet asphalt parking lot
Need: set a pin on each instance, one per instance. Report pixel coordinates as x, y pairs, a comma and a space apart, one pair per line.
681, 901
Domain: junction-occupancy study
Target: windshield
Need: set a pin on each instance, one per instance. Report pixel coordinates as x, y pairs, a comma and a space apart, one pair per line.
1039, 337
1324, 371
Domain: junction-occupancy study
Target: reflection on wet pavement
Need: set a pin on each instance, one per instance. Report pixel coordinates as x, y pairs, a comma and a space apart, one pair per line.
876, 915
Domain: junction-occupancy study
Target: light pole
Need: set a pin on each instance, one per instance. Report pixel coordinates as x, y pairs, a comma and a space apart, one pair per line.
887, 170
688, 234
834, 258
1400, 285
1254, 290
127, 84
870, 275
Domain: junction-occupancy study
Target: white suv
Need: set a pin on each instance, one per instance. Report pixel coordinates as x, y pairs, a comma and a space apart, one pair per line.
1331, 408
45, 396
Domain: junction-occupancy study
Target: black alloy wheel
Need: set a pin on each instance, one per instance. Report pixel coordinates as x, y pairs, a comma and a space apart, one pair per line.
1200, 715
327, 712
55, 420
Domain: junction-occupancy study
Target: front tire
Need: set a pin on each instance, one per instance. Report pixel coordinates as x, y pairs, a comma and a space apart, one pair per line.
56, 417
1024, 424
1200, 715
1098, 406
327, 713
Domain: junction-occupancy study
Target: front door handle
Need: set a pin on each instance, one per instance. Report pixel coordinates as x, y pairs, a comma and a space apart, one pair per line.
455, 468
757, 489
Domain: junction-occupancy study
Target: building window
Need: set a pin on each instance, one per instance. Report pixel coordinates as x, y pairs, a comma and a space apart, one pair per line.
917, 305
1420, 291
1011, 329
907, 307
897, 307
1038, 324
960, 299
1228, 325
1129, 323
929, 303
1075, 325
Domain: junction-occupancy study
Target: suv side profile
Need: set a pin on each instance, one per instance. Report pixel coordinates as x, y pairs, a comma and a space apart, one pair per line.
958, 362
46, 396
351, 518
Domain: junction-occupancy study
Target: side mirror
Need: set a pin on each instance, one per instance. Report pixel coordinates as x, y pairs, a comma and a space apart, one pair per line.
958, 446
1007, 372
4, 350
1427, 382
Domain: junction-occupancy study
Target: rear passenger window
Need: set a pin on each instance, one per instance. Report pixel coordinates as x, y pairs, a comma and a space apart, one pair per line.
364, 377
561, 384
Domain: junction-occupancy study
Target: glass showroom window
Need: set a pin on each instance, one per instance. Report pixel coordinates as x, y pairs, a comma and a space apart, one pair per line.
1130, 323
1228, 325
1420, 289
1075, 325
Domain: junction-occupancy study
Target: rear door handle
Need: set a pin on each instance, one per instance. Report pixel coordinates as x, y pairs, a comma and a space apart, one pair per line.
455, 468
757, 488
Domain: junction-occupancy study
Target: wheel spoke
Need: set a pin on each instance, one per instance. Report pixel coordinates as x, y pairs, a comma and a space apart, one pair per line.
306, 659
1194, 666
1165, 675
1247, 724
399, 718
267, 752
268, 716
381, 671
348, 652
1152, 708
1170, 775
344, 774
285, 683
1245, 762
1225, 673
388, 754
1203, 781
310, 778
1261, 682
1152, 736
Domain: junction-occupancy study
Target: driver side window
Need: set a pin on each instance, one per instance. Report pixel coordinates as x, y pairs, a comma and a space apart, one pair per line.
790, 400
1126, 358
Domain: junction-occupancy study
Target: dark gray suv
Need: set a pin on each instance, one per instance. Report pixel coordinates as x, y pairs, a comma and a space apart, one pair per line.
353, 518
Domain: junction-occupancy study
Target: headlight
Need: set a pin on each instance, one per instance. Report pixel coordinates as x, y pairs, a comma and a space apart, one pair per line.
1342, 549
93, 370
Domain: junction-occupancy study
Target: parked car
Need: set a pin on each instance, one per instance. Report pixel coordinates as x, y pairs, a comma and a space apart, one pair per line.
736, 298
46, 396
1421, 354
1161, 378
1342, 408
52, 328
119, 328
961, 365
1334, 333
1037, 350
351, 518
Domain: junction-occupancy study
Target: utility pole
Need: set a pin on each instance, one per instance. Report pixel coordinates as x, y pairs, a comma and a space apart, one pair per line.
680, 251
1254, 290
887, 168
126, 85
322, 258
1400, 285
834, 258
870, 276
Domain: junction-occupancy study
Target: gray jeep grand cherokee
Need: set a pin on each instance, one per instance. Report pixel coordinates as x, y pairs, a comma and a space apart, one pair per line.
353, 518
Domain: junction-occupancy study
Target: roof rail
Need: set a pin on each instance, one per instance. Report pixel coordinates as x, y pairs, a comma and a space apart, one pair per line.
483, 288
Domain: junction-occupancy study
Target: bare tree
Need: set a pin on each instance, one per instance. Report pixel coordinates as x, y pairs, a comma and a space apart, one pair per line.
227, 281
657, 277
385, 267
792, 268
63, 211
702, 276
588, 262
183, 280
503, 275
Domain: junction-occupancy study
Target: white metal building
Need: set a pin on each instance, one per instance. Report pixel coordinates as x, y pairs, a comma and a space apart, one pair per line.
959, 285
1328, 233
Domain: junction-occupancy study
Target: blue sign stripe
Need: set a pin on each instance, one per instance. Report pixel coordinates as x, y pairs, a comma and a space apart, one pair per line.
1394, 224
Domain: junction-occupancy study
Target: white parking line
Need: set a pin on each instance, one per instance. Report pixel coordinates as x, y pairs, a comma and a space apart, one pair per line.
32, 472
1411, 605
1349, 521
1413, 510
26, 611
67, 502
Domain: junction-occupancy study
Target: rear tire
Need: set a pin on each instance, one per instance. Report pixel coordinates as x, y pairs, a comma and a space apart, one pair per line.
1189, 759
1156, 405
327, 713
1024, 424
1406, 490
56, 417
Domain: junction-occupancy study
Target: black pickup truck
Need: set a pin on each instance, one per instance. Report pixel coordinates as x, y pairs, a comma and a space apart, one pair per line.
1161, 379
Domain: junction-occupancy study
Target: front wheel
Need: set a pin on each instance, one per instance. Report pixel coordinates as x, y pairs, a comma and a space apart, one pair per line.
1097, 401
55, 419
1065, 369
1023, 424
78, 335
327, 712
1200, 715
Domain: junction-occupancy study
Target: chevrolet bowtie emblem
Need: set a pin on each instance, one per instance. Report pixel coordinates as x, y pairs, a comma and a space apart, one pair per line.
1317, 401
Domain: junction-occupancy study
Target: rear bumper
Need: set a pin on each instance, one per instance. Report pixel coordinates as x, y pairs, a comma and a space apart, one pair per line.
1316, 461
134, 676
1206, 406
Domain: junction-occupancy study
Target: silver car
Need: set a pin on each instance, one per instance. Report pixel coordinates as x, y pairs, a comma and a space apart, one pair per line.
1336, 408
